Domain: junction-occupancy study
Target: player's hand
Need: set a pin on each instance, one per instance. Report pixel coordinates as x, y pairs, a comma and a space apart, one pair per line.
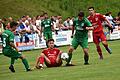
87, 28
17, 50
71, 36
111, 30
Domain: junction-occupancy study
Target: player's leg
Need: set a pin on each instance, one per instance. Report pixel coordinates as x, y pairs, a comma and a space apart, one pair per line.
97, 42
105, 44
25, 62
58, 60
10, 53
84, 46
43, 59
12, 65
71, 49
46, 35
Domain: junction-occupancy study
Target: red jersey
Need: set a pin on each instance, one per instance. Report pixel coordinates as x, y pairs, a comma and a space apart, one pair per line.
51, 54
96, 21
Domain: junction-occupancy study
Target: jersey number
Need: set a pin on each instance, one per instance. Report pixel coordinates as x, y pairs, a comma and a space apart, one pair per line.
4, 42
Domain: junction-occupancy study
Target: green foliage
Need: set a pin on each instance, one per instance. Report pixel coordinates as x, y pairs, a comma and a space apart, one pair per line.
106, 69
66, 8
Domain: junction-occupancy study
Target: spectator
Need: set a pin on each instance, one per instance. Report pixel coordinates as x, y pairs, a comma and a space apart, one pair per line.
110, 18
117, 20
66, 24
1, 27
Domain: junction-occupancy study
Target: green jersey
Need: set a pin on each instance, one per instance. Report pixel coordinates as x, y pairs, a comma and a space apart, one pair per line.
81, 33
7, 37
46, 25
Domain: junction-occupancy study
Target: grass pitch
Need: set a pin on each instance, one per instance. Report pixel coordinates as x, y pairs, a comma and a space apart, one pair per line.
106, 69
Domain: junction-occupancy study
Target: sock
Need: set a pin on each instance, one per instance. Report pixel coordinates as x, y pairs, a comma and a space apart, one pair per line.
86, 58
69, 58
25, 63
41, 59
12, 61
106, 47
99, 50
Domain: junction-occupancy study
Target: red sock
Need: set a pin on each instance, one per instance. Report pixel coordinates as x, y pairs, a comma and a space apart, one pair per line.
41, 59
99, 50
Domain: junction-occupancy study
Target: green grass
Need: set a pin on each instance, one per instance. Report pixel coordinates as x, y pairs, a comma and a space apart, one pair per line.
65, 8
107, 69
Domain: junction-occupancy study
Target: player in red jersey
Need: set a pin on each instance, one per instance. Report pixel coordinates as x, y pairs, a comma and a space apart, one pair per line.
98, 34
49, 56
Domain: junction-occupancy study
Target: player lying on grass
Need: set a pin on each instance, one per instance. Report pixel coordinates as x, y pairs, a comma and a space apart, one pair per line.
10, 50
50, 56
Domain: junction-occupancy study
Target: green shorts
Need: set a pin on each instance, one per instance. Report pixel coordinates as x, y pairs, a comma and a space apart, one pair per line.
11, 53
83, 43
47, 35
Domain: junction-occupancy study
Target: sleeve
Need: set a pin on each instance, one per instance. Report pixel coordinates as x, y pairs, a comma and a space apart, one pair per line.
102, 18
11, 37
42, 25
87, 23
74, 22
43, 51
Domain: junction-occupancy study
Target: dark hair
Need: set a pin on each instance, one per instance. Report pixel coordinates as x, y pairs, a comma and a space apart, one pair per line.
50, 40
81, 14
45, 13
91, 8
13, 23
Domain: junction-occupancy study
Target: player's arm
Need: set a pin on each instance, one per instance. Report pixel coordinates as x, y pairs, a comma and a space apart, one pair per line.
11, 40
88, 25
13, 45
73, 28
110, 25
52, 27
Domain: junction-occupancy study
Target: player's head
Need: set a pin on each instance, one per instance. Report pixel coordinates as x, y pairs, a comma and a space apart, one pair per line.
45, 15
50, 43
91, 10
13, 25
80, 15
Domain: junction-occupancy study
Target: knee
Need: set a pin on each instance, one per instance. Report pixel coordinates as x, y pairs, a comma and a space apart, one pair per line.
42, 55
71, 50
22, 57
85, 51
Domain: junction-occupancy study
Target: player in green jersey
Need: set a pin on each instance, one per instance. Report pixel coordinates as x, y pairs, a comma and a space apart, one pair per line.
81, 24
47, 27
10, 50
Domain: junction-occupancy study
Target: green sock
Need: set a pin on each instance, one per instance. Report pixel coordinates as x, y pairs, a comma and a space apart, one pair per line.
12, 61
70, 57
86, 58
25, 63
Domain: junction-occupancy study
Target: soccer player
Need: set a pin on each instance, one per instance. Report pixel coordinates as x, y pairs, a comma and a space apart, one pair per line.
81, 24
49, 56
98, 34
47, 27
10, 50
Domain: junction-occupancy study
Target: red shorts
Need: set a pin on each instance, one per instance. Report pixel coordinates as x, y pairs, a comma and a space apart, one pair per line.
98, 37
53, 63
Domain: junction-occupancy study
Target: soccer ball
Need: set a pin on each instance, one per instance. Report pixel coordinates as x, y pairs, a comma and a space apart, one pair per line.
64, 56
